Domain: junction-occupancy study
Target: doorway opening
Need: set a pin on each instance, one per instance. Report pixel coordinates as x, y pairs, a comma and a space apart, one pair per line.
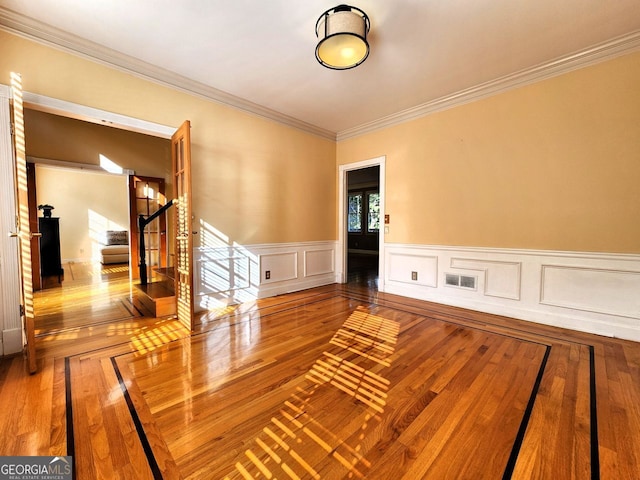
87, 180
362, 227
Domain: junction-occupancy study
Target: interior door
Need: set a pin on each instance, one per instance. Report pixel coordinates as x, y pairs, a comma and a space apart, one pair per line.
146, 196
23, 228
183, 240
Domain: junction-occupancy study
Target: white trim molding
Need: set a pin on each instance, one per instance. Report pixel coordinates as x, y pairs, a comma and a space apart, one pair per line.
590, 292
235, 274
343, 190
56, 106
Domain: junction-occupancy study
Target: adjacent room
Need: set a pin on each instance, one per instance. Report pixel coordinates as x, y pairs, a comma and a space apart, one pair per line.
86, 182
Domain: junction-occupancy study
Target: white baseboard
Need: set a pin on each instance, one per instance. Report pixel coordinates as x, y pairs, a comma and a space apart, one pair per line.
591, 292
236, 274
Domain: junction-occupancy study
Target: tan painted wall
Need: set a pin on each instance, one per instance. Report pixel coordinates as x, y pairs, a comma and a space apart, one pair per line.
255, 181
60, 138
554, 165
54, 137
88, 204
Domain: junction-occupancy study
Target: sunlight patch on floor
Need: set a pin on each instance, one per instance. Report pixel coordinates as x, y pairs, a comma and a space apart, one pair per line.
150, 339
299, 425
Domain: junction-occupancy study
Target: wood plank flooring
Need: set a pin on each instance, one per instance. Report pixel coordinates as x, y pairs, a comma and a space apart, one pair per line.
334, 382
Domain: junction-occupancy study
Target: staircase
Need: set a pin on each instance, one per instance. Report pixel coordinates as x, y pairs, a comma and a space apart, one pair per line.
157, 297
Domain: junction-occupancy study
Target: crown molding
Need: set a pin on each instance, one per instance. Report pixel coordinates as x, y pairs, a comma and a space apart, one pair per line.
37, 31
31, 29
598, 53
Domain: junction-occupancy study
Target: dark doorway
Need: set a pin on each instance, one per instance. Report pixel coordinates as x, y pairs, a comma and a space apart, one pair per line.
363, 225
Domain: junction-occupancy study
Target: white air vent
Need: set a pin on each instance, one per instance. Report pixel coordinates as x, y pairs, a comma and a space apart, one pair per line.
460, 281
451, 279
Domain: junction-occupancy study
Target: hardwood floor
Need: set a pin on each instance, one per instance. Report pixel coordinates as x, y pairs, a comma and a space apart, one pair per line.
334, 382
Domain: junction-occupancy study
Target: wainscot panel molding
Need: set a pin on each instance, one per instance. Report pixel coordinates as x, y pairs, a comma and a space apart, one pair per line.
591, 292
319, 262
424, 266
501, 279
592, 289
235, 274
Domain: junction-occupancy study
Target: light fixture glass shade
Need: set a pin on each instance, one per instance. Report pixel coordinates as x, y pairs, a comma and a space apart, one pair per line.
342, 33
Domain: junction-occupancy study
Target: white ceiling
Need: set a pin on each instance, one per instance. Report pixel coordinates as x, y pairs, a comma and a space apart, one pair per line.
259, 54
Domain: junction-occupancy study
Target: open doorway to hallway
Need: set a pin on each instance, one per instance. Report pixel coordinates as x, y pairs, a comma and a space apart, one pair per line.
363, 225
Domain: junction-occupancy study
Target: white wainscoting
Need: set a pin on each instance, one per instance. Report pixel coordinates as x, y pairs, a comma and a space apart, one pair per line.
236, 274
425, 267
591, 292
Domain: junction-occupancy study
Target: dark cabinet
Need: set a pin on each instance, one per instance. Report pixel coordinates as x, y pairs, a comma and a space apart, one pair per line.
50, 261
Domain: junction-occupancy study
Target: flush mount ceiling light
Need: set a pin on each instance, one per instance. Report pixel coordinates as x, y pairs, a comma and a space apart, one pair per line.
342, 33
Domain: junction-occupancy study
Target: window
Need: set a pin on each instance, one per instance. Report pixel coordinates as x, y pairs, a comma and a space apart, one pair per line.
364, 210
373, 212
355, 213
